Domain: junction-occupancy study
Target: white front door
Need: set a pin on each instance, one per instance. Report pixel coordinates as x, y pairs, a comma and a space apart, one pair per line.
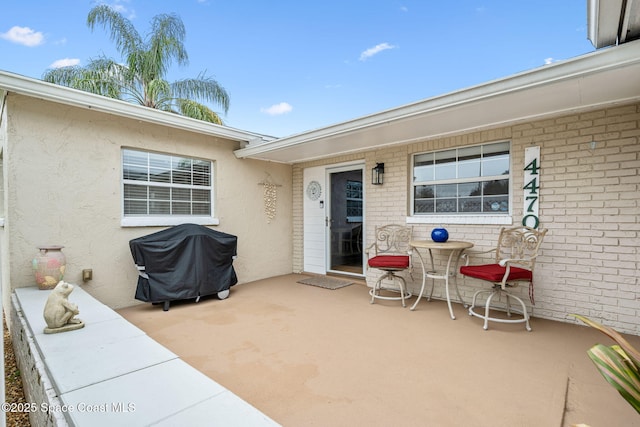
327, 219
314, 240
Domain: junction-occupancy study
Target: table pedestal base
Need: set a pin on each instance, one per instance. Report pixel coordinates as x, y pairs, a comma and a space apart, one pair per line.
455, 250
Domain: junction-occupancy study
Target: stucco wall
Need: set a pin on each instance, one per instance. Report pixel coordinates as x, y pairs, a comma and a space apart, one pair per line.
589, 201
63, 174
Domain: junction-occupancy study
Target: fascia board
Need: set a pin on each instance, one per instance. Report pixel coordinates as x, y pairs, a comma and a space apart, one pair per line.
47, 91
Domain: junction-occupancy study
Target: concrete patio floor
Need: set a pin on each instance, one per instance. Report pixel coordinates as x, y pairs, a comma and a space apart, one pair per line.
307, 356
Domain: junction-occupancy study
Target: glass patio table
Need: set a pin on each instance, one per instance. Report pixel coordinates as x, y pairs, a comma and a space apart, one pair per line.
455, 250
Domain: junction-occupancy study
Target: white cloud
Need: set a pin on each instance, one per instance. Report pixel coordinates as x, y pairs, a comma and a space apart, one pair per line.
24, 36
548, 61
277, 109
375, 50
121, 7
66, 62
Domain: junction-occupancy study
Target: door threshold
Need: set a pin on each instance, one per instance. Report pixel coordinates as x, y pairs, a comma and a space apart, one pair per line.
334, 273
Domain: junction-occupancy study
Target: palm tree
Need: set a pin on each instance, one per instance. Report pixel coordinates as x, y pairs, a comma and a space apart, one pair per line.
141, 79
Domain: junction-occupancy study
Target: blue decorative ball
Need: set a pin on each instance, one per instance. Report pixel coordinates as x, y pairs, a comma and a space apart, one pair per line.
439, 235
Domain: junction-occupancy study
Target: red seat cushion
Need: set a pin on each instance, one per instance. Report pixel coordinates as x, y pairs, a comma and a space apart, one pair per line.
389, 261
495, 272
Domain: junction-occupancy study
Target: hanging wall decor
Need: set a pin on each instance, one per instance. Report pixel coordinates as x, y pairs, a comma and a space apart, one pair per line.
314, 190
270, 197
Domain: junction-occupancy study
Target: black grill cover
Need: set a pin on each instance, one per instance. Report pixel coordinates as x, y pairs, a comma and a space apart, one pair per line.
182, 262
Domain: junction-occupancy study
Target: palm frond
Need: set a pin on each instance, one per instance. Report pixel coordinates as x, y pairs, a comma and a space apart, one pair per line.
121, 30
102, 77
202, 88
166, 43
198, 111
157, 93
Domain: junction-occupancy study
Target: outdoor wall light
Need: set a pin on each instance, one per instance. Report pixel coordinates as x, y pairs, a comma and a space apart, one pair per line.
377, 174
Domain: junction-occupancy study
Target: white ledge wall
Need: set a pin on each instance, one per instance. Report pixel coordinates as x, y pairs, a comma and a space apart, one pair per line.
111, 373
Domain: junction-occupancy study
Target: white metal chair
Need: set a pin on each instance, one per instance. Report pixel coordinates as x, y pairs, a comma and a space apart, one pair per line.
390, 253
515, 261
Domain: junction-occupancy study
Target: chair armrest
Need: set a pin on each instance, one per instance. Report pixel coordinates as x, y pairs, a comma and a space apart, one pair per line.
466, 255
506, 261
368, 249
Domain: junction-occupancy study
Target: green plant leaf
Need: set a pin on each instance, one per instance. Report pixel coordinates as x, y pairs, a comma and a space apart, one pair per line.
615, 367
618, 364
631, 352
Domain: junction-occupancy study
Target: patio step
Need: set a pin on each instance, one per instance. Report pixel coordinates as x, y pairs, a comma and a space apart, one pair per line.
111, 373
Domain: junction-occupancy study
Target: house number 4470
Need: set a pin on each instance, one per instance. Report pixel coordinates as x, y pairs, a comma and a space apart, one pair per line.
532, 184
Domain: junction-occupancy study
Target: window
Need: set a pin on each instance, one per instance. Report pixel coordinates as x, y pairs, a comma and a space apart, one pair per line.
470, 180
165, 186
353, 195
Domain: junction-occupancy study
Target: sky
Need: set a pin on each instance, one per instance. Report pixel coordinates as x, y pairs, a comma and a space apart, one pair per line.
292, 66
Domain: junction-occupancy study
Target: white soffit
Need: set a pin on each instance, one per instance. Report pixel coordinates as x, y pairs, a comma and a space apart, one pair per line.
611, 22
603, 20
630, 26
602, 78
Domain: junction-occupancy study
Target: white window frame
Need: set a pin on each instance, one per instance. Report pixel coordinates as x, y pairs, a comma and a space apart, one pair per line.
460, 218
149, 220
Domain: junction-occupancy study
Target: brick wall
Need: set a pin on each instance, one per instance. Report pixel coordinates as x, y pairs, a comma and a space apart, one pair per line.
589, 201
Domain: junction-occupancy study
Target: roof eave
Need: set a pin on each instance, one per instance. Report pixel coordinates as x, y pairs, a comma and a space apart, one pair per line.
27, 86
562, 72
